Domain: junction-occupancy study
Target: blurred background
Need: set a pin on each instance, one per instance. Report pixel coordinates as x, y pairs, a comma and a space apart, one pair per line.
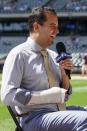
14, 30
72, 26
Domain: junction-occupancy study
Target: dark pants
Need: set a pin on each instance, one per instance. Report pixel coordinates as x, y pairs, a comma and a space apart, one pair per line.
74, 119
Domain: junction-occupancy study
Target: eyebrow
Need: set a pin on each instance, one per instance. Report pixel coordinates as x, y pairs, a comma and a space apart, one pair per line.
52, 24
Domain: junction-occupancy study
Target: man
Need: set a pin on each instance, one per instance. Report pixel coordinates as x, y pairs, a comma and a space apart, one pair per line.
84, 66
26, 85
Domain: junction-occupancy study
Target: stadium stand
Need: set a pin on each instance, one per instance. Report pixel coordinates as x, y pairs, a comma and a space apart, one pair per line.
20, 5
69, 5
14, 32
6, 44
27, 5
77, 50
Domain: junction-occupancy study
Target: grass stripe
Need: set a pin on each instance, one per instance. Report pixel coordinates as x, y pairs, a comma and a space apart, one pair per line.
80, 89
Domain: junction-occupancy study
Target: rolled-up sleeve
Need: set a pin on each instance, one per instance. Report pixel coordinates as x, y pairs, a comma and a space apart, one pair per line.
21, 97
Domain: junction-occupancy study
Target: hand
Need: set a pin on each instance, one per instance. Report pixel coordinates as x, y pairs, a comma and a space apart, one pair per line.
66, 64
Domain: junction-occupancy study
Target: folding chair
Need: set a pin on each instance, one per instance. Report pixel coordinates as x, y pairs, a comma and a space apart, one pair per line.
15, 118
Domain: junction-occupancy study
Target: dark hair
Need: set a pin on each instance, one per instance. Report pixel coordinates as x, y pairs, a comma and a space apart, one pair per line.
38, 15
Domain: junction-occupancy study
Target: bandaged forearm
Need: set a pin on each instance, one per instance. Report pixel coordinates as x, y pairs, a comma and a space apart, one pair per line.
52, 95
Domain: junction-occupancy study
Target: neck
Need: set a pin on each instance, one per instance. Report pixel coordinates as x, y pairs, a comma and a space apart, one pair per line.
37, 39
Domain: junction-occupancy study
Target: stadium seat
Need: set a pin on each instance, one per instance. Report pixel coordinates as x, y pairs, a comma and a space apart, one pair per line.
15, 118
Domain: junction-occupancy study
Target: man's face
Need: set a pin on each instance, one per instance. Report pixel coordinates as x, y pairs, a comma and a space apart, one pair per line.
48, 31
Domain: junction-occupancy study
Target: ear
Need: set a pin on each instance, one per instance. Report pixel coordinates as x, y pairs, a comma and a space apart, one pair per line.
36, 27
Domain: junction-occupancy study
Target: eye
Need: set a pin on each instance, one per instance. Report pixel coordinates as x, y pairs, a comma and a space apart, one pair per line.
53, 26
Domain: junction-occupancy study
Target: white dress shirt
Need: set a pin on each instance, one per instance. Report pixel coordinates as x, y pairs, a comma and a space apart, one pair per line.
25, 82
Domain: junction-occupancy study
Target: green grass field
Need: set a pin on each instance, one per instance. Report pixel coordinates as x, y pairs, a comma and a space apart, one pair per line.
77, 98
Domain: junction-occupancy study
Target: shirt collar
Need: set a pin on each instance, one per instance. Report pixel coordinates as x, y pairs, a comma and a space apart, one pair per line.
33, 45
